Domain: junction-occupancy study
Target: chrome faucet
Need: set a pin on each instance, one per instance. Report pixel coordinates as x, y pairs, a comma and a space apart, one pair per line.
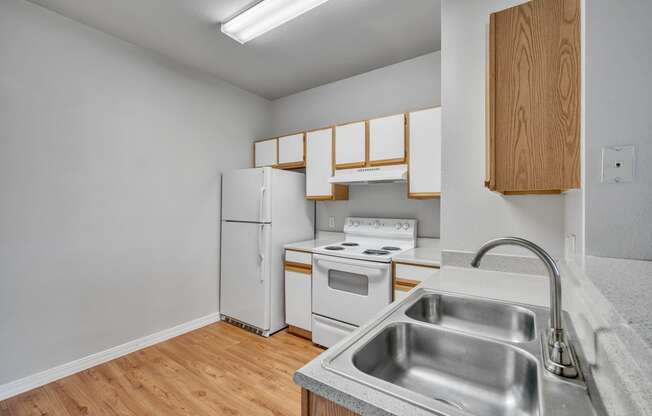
559, 358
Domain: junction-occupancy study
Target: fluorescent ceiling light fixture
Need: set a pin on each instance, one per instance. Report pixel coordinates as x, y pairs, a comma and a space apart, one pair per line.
265, 16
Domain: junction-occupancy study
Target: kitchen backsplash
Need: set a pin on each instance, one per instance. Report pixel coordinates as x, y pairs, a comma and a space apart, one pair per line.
386, 200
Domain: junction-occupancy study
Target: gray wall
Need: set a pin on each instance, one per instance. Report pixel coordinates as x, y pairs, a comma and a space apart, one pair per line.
109, 182
471, 214
380, 200
408, 85
618, 104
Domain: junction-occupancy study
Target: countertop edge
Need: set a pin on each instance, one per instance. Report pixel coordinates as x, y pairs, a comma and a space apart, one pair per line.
339, 397
418, 262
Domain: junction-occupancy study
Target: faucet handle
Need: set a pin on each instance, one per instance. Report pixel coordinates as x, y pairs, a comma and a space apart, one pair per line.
559, 358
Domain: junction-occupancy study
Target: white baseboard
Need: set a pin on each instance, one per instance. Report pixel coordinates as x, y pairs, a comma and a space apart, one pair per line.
55, 373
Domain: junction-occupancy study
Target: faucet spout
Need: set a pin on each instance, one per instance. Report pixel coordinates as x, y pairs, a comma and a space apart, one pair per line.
559, 356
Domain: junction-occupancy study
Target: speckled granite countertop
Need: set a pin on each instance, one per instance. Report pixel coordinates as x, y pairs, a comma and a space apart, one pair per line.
529, 289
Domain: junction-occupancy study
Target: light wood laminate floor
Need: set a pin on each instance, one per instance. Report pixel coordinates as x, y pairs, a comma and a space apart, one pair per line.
215, 370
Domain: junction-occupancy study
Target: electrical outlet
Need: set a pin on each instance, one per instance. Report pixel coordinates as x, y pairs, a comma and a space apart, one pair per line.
331, 222
618, 164
570, 243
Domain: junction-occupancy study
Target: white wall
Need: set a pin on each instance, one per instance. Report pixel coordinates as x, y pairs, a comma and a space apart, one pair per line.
380, 200
405, 86
471, 214
618, 102
109, 184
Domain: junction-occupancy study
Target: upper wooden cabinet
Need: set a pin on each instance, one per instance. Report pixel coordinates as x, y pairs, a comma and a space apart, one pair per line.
424, 153
533, 98
351, 145
291, 151
387, 140
265, 153
320, 167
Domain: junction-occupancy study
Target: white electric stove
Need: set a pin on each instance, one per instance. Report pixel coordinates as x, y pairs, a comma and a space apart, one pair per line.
373, 239
352, 279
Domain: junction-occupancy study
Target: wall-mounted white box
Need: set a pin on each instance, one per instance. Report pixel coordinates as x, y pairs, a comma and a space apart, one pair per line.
618, 164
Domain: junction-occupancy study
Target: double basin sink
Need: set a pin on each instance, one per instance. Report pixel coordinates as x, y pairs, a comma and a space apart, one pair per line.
455, 355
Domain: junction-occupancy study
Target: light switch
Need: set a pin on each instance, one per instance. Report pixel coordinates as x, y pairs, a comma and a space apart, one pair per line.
331, 222
618, 164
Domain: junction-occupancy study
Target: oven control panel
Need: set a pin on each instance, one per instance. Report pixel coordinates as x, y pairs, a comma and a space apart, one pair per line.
381, 227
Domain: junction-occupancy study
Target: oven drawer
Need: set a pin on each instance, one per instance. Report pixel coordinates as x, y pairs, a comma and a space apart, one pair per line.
328, 332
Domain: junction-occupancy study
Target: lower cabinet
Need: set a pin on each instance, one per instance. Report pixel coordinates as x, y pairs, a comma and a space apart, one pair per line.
314, 405
401, 292
298, 292
407, 276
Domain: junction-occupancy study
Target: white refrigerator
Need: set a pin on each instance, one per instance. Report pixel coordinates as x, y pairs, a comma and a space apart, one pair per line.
262, 209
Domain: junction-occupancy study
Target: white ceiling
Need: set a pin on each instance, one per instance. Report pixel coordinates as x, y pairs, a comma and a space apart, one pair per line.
338, 39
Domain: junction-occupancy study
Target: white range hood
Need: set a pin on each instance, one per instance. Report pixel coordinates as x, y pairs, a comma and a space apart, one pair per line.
373, 174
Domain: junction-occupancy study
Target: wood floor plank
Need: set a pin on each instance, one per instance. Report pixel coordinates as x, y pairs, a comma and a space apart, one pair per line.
74, 397
35, 402
4, 409
216, 370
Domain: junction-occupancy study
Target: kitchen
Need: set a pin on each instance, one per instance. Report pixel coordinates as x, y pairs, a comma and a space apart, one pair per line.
124, 126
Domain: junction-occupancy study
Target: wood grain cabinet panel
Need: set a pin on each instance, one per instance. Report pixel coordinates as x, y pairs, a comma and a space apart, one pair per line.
314, 405
533, 98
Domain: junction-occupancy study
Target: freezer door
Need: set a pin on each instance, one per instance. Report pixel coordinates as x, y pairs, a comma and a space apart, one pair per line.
246, 195
245, 277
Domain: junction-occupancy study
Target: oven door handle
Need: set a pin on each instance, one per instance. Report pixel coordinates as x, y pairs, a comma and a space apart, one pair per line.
345, 265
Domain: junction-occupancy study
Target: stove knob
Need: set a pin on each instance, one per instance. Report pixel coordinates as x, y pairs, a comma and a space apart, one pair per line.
376, 224
398, 226
356, 223
406, 226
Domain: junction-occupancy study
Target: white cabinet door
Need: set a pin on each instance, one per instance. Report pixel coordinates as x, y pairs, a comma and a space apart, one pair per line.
387, 140
319, 163
290, 150
350, 145
399, 295
298, 304
425, 153
265, 153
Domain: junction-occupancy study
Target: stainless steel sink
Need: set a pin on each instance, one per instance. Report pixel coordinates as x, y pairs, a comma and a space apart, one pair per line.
457, 355
483, 317
465, 372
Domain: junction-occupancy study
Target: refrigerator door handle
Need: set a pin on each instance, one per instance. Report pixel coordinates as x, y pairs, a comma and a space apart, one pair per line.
261, 202
261, 254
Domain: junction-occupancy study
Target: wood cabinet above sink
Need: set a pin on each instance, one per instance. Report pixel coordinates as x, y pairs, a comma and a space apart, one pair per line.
533, 98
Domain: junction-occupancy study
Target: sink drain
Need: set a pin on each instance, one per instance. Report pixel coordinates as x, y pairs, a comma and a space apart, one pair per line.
456, 405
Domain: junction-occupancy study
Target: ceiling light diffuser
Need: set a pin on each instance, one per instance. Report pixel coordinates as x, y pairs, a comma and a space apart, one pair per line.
265, 16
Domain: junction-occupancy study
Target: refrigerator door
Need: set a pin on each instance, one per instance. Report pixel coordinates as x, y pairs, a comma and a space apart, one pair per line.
246, 195
245, 277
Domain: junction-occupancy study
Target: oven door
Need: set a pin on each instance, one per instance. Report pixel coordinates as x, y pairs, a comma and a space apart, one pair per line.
347, 290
